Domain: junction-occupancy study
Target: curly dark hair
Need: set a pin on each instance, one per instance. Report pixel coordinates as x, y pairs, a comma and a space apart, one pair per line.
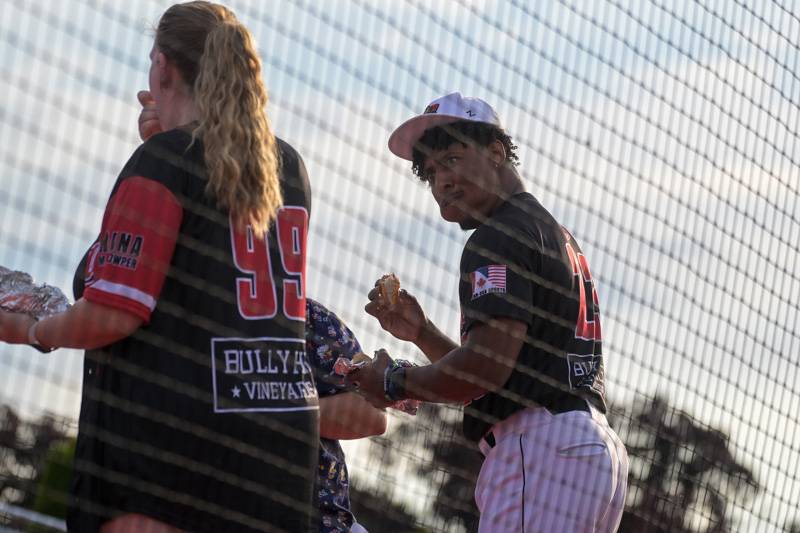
463, 131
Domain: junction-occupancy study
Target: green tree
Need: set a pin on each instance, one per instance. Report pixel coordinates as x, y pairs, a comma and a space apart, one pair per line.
24, 446
378, 512
681, 474
53, 488
453, 465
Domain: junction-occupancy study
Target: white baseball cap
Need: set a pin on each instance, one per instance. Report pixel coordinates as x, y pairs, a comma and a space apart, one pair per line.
444, 110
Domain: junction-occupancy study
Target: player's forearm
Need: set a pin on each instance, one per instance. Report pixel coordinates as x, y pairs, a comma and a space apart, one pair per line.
459, 376
483, 363
86, 325
348, 415
433, 343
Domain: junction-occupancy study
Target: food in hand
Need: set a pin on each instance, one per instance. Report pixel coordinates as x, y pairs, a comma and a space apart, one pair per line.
389, 289
19, 294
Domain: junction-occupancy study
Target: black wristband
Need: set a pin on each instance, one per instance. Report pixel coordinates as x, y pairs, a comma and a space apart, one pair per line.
394, 383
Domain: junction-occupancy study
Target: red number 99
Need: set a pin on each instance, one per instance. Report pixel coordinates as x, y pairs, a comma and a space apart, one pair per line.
255, 293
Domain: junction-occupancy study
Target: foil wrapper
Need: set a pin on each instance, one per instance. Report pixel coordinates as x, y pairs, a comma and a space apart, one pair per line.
19, 294
344, 366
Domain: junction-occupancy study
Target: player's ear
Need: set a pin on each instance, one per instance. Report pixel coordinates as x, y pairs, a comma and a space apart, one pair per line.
165, 69
496, 152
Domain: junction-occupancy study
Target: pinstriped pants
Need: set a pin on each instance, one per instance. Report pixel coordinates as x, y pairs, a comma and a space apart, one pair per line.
552, 473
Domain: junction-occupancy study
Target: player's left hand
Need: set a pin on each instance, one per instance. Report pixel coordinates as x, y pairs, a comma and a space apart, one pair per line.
368, 379
405, 319
14, 327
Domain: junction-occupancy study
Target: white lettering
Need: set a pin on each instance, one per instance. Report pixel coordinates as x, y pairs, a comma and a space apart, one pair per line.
308, 389
231, 361
292, 394
263, 391
269, 369
284, 355
248, 367
280, 390
584, 368
300, 361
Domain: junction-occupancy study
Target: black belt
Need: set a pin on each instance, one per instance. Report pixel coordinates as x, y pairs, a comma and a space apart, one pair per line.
562, 404
567, 403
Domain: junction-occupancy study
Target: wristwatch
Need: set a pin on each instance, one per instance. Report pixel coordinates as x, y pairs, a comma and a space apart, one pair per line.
394, 382
34, 342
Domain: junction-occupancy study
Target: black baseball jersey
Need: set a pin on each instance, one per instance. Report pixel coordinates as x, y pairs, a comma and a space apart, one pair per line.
207, 416
521, 264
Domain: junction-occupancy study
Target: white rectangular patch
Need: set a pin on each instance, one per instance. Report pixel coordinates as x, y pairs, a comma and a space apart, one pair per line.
261, 374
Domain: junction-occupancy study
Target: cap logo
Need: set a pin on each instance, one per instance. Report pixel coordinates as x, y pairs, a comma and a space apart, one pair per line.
431, 109
470, 112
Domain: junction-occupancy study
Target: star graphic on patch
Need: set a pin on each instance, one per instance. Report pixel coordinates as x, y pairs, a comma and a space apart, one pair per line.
235, 391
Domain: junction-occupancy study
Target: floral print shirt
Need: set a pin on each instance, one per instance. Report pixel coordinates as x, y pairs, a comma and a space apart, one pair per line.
327, 339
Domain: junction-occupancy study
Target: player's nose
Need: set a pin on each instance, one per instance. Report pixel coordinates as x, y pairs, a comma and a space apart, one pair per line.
445, 179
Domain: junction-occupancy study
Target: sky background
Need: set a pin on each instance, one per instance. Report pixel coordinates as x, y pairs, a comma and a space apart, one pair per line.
662, 134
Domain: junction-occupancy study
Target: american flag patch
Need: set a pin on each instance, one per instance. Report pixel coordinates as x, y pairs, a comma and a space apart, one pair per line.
488, 279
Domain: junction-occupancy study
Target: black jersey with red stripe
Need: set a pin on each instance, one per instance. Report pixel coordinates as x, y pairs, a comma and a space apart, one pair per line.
521, 264
207, 416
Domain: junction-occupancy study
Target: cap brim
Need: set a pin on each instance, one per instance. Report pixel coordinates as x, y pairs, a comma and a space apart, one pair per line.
403, 139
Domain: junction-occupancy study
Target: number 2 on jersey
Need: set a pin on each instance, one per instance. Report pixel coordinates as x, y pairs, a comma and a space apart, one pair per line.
256, 293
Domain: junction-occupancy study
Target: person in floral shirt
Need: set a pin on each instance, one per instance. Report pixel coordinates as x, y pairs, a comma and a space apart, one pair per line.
343, 415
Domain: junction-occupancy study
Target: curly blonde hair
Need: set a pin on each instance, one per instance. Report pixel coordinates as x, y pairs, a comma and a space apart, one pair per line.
217, 58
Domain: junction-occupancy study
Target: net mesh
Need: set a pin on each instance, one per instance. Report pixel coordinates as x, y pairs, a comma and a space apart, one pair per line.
662, 134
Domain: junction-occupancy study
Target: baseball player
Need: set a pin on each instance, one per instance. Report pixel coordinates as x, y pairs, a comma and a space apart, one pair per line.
343, 415
529, 366
199, 410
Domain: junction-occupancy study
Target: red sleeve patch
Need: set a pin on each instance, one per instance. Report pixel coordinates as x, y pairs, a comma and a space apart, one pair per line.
127, 268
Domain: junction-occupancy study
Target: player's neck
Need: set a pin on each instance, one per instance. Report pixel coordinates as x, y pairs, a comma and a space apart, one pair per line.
510, 184
182, 111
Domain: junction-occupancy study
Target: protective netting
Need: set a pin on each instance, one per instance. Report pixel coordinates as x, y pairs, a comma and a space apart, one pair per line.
662, 134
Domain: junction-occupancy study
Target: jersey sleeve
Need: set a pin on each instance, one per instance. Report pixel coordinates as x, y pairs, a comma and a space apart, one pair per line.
126, 267
327, 339
497, 279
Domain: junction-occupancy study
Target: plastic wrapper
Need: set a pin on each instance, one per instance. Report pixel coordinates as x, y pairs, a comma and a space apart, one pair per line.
344, 366
19, 294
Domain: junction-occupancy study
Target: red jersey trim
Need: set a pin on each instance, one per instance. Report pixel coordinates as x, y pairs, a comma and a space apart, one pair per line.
118, 301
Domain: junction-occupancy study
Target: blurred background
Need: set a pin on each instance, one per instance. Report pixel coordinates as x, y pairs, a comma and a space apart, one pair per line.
663, 134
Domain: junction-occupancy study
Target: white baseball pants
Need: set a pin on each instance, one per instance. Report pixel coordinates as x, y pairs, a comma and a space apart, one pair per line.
552, 473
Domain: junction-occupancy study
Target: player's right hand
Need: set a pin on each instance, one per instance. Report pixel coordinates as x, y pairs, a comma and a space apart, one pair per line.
368, 379
149, 124
405, 319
